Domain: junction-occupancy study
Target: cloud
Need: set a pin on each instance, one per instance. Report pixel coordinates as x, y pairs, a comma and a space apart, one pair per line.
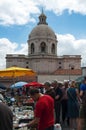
67, 45
58, 6
7, 47
17, 12
20, 12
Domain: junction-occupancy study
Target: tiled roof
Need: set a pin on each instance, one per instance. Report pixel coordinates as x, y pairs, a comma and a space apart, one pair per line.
66, 72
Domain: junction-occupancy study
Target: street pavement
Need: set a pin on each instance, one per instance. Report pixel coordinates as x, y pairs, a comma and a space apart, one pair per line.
65, 127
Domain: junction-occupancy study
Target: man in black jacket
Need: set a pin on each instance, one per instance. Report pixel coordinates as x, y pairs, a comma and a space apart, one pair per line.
58, 96
49, 90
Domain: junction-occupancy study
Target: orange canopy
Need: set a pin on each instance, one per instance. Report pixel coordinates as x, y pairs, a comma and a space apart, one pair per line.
16, 72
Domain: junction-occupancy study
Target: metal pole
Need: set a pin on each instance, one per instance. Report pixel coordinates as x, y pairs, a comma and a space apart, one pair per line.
69, 71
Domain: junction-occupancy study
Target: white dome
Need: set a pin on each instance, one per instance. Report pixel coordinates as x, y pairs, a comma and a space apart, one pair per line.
42, 30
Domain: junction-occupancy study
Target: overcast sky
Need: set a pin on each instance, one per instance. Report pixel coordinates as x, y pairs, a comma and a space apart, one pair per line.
67, 18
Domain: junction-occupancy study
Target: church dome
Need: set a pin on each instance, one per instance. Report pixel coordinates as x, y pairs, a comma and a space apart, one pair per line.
42, 30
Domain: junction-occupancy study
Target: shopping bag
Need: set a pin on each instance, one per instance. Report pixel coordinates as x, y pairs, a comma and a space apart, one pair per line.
57, 126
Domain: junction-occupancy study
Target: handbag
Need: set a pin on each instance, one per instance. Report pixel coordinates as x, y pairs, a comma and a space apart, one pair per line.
57, 126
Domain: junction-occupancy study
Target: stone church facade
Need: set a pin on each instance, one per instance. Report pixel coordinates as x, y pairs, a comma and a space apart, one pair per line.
43, 58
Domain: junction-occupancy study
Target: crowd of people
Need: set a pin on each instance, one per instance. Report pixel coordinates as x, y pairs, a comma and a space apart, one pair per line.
63, 103
69, 103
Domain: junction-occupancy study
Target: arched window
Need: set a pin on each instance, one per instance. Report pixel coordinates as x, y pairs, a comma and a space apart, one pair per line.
72, 67
60, 67
27, 67
53, 48
32, 48
43, 47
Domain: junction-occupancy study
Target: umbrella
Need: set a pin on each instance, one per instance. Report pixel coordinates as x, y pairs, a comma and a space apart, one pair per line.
16, 72
34, 84
19, 84
2, 86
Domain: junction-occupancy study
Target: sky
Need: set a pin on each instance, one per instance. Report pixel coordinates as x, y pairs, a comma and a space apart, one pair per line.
67, 18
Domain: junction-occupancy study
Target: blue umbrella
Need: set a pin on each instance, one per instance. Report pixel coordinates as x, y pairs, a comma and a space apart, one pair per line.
19, 84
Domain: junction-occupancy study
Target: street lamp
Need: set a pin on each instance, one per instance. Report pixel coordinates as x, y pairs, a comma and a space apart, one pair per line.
69, 71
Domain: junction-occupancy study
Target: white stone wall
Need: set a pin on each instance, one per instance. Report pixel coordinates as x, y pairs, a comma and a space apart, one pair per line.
43, 65
60, 78
84, 71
